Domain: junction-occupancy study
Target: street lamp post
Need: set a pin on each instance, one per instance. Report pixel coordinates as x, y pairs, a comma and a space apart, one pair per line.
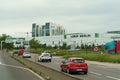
1, 44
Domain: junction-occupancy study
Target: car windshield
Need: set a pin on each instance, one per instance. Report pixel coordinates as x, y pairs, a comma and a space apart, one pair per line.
78, 60
45, 54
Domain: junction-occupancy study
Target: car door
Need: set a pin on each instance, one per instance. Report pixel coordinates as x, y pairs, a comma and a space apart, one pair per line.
65, 64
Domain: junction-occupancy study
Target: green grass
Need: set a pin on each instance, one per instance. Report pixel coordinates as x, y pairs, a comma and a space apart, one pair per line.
88, 55
97, 57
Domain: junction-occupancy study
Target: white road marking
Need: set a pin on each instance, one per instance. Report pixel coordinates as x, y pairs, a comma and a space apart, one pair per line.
112, 77
24, 69
35, 74
96, 73
102, 66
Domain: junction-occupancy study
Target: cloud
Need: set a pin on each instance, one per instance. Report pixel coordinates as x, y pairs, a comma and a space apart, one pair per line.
74, 15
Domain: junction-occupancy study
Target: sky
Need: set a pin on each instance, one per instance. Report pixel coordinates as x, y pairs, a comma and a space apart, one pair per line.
76, 16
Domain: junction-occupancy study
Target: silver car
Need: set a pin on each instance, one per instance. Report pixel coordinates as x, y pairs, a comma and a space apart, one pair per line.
26, 54
45, 57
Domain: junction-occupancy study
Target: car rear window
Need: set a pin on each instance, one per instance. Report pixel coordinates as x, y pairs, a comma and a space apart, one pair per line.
78, 60
27, 52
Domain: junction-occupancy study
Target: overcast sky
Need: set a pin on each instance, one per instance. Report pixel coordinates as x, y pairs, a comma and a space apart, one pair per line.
76, 16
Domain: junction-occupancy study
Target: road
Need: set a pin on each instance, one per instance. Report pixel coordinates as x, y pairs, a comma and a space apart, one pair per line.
97, 70
10, 69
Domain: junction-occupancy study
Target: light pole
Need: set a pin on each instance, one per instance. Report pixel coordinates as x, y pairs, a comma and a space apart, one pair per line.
1, 44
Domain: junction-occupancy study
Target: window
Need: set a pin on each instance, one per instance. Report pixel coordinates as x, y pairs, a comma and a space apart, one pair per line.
67, 60
18, 42
78, 60
47, 33
74, 36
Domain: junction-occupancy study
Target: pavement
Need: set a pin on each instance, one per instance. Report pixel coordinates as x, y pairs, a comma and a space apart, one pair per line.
107, 64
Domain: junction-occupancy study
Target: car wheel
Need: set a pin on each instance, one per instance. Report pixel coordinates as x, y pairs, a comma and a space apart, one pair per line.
50, 60
61, 69
85, 72
42, 60
68, 71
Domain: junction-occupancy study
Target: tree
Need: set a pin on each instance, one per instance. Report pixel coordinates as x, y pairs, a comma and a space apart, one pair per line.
4, 44
34, 44
3, 37
93, 45
43, 45
82, 46
64, 45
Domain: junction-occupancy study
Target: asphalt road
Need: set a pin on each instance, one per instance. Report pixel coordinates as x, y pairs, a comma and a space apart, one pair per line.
10, 69
97, 70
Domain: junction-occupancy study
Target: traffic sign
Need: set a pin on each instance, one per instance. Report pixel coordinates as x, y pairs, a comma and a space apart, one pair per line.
96, 49
10, 39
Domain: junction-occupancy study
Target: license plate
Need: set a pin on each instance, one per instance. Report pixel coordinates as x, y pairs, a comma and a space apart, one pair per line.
79, 70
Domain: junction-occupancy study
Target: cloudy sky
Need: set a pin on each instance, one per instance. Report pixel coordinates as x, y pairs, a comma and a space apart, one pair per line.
87, 16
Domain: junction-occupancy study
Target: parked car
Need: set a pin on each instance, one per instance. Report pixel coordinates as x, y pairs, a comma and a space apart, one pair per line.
26, 54
71, 65
44, 57
21, 51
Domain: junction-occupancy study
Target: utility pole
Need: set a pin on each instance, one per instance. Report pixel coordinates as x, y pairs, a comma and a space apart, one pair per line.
1, 44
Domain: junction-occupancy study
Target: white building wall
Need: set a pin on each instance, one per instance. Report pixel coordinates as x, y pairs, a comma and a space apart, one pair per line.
50, 40
59, 40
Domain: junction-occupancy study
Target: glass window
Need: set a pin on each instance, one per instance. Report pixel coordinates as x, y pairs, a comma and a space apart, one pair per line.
78, 60
18, 42
47, 33
67, 60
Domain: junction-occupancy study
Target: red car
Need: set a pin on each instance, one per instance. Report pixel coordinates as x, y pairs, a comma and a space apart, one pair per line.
71, 65
21, 51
